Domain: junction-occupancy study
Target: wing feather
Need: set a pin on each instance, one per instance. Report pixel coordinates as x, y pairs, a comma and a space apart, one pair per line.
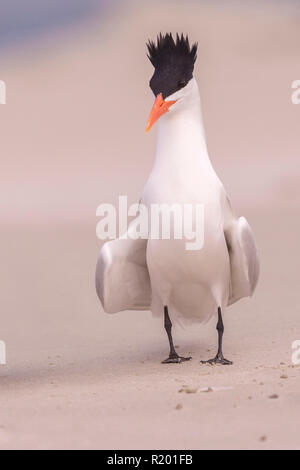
122, 277
244, 260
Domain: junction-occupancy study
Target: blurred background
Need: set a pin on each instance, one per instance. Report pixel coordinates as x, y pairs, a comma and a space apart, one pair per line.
72, 135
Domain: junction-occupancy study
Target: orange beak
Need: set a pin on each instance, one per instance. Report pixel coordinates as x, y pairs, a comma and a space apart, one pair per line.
160, 107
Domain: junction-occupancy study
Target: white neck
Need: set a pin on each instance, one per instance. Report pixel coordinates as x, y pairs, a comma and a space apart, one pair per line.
181, 138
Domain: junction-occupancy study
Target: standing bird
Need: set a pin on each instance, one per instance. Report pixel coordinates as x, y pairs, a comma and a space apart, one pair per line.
162, 275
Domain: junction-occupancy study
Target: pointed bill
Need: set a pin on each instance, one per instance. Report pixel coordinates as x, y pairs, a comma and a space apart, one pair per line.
159, 108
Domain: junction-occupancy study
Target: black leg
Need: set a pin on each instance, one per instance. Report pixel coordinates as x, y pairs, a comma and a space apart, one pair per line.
219, 359
173, 357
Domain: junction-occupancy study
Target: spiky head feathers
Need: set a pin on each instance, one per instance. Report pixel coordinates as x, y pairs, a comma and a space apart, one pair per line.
167, 49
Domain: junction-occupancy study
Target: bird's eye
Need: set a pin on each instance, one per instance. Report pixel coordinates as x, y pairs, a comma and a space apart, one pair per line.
181, 84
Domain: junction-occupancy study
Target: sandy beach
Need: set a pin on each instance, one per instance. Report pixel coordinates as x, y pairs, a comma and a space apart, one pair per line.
75, 377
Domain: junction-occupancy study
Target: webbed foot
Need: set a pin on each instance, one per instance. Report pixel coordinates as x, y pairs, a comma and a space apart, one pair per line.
219, 359
175, 359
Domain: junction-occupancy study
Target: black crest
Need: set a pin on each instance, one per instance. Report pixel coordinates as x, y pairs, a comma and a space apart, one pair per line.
173, 61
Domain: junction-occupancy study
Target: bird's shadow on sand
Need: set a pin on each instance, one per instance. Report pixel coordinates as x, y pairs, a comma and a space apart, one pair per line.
142, 362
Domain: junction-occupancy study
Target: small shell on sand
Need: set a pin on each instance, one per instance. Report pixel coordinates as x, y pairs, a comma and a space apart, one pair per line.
186, 389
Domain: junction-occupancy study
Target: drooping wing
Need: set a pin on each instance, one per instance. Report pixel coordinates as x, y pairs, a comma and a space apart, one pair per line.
244, 261
122, 277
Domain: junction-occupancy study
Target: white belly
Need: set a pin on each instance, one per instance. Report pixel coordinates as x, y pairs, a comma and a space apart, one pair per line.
193, 284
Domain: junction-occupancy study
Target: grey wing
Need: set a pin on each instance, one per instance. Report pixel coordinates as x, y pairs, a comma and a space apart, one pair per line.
244, 260
122, 277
